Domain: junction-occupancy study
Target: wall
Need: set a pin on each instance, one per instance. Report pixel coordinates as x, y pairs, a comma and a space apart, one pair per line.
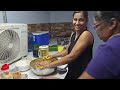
97, 41
63, 29
1, 17
60, 16
28, 17
33, 17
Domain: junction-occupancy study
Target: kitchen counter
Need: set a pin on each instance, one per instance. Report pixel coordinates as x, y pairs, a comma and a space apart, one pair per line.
31, 75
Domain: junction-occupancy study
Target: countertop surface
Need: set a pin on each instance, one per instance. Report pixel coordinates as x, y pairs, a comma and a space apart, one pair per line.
31, 75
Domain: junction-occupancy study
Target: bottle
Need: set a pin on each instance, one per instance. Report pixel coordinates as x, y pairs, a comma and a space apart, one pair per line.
30, 42
35, 50
5, 72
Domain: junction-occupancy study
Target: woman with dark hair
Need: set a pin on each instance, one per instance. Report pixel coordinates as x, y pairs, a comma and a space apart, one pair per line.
106, 62
79, 51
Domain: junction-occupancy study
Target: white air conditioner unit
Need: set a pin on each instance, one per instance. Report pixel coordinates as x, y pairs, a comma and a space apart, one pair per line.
13, 42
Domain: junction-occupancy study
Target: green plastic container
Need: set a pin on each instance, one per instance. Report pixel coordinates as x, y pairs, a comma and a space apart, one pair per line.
53, 48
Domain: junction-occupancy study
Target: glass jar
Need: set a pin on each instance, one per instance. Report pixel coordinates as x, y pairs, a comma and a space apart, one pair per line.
43, 50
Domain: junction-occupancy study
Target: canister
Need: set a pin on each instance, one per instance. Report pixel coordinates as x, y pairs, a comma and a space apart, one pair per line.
43, 50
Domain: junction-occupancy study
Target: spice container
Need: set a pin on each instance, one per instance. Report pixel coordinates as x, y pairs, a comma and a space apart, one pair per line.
5, 72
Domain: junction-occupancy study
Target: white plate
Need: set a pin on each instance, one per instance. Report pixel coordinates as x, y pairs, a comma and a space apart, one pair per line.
23, 65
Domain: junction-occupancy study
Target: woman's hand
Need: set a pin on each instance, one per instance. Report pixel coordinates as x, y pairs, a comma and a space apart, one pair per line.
45, 64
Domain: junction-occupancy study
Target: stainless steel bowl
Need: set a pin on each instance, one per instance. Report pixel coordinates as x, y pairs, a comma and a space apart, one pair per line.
44, 71
41, 71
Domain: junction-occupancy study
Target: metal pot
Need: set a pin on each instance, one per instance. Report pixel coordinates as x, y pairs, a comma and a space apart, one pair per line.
44, 71
41, 71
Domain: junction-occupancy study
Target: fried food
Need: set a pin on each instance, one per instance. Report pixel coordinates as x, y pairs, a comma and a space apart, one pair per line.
16, 75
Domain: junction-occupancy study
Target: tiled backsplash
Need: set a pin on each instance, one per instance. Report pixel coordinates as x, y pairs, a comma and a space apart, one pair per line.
56, 29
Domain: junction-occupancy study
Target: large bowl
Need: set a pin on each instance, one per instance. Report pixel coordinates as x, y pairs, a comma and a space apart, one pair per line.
41, 71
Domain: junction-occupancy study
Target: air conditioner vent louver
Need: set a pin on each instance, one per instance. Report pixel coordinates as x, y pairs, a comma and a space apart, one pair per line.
9, 45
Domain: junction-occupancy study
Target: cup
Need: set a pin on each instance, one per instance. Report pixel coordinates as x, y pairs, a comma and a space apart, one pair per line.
43, 51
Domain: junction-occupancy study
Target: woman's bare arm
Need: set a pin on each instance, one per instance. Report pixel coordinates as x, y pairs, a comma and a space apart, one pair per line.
83, 42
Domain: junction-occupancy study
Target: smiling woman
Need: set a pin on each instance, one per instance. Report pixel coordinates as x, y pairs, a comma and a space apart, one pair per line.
79, 51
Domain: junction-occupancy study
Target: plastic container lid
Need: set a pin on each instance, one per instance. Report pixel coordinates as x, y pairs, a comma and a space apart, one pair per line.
40, 32
5, 67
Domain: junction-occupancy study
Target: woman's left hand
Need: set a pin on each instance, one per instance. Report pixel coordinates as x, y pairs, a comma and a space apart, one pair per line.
45, 64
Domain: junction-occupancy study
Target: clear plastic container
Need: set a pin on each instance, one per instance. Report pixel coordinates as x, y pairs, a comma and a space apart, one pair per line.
5, 74
43, 50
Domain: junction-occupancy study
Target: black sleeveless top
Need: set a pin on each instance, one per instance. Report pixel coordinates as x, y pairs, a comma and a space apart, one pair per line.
76, 68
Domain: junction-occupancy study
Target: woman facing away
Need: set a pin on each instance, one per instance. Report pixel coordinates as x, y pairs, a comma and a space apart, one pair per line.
106, 61
79, 51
